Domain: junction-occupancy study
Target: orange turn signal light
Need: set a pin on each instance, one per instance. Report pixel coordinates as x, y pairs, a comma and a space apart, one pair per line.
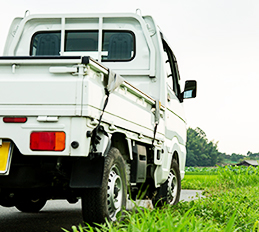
48, 141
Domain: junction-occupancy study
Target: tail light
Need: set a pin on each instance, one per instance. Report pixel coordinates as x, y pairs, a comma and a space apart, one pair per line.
47, 141
15, 119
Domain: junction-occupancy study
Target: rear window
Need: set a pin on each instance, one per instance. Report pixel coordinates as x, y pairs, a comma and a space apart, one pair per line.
76, 41
116, 45
45, 44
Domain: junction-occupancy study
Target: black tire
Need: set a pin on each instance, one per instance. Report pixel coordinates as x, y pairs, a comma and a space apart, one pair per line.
7, 199
169, 192
31, 205
107, 201
7, 203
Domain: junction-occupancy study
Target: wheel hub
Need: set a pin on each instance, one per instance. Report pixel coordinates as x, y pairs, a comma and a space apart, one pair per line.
172, 187
114, 192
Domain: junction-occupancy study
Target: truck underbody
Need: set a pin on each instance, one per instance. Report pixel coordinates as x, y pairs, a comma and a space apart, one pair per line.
34, 178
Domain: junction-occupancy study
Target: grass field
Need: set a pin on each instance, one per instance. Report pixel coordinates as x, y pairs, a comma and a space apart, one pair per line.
231, 204
199, 182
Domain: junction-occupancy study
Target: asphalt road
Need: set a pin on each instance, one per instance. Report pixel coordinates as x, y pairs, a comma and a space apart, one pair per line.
54, 215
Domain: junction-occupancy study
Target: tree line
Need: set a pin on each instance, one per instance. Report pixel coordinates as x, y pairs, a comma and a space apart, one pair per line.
204, 153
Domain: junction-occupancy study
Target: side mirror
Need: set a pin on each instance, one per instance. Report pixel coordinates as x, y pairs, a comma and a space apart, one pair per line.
190, 90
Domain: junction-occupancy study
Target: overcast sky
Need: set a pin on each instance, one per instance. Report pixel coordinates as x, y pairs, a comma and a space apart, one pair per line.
216, 42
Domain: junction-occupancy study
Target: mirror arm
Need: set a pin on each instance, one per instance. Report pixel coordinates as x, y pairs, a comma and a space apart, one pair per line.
181, 97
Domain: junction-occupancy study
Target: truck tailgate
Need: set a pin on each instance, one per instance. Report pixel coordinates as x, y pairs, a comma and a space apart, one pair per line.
28, 88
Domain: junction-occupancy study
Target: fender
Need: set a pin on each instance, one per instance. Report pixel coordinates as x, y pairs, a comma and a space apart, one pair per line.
162, 171
180, 150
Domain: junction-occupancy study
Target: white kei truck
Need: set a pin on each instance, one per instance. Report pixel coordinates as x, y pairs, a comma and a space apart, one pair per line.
90, 108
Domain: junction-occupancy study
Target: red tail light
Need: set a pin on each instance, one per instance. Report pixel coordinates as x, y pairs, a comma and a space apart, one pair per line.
47, 141
15, 119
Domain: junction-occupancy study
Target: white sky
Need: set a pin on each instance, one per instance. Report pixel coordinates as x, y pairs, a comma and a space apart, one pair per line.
216, 42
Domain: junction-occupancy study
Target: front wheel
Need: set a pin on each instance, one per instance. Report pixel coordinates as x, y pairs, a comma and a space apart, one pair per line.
107, 201
169, 192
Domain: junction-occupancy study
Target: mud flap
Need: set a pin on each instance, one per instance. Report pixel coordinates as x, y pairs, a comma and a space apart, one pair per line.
87, 173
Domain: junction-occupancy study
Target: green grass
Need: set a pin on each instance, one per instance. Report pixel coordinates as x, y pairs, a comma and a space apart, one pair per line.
231, 204
199, 182
200, 178
201, 170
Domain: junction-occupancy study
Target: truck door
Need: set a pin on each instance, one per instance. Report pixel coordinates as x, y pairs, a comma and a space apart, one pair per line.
175, 121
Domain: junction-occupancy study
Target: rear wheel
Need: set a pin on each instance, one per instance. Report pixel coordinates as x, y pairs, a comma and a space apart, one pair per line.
110, 199
169, 192
31, 205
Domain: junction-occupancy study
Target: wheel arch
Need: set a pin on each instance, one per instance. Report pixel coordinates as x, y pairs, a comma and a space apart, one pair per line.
176, 157
120, 141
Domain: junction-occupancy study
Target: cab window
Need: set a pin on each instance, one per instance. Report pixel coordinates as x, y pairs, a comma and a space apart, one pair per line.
77, 41
46, 44
116, 45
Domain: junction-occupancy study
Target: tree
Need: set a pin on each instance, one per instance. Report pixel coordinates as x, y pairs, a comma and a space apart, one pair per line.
200, 151
253, 156
236, 157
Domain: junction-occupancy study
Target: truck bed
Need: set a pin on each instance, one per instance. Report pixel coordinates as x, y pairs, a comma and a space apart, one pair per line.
49, 90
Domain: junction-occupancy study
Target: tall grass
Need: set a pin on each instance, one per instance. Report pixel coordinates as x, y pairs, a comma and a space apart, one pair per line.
231, 204
163, 220
228, 176
234, 176
201, 170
